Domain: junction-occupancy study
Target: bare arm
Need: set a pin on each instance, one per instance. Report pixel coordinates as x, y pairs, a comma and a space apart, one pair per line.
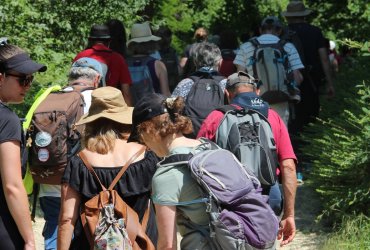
289, 181
161, 71
298, 78
324, 58
15, 194
182, 62
125, 88
70, 201
166, 223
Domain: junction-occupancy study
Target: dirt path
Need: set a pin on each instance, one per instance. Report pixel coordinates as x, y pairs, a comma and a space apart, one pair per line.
309, 234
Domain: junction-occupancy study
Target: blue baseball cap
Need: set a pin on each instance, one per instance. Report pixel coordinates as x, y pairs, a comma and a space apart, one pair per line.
87, 62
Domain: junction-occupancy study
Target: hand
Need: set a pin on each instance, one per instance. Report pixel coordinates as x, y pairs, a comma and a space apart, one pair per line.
30, 246
286, 230
330, 91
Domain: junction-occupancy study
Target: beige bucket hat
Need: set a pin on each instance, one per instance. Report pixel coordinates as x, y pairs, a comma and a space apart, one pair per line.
296, 8
107, 102
140, 32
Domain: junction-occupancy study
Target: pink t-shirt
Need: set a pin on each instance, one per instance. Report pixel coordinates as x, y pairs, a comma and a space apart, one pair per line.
283, 144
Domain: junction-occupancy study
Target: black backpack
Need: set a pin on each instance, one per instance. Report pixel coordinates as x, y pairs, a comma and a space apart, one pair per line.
169, 58
204, 96
291, 36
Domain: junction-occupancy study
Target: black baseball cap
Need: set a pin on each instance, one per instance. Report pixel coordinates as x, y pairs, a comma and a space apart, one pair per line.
150, 106
22, 63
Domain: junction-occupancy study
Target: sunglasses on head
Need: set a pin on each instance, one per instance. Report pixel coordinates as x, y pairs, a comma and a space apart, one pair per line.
24, 81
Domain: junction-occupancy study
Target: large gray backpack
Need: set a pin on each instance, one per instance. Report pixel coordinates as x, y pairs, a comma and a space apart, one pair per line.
270, 67
248, 135
240, 217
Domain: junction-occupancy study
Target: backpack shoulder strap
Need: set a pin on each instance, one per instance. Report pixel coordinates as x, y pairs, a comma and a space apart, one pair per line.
254, 42
225, 108
176, 159
195, 78
82, 156
40, 96
217, 77
120, 173
210, 144
123, 169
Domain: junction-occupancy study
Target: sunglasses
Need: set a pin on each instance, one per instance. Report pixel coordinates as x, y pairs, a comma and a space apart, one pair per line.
24, 81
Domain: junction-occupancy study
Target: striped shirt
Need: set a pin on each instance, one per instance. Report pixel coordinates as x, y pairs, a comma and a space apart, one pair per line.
246, 51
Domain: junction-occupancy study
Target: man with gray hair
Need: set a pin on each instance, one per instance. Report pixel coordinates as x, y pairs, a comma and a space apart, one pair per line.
204, 89
85, 74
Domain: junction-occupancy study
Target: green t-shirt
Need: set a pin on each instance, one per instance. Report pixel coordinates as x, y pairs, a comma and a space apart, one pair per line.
174, 186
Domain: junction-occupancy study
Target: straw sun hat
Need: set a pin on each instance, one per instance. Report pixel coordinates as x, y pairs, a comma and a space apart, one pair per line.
107, 102
140, 32
295, 9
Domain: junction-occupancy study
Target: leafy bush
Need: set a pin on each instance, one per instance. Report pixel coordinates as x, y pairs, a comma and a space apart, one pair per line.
339, 143
354, 233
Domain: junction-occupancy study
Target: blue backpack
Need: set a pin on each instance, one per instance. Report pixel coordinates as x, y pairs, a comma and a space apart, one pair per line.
142, 83
240, 217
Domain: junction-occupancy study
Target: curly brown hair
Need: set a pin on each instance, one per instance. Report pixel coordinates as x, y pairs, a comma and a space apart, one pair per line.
169, 123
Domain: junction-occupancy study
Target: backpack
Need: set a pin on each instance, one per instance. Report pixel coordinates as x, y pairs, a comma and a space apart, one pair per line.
248, 135
170, 59
227, 66
142, 83
204, 96
291, 36
52, 137
109, 223
270, 65
240, 216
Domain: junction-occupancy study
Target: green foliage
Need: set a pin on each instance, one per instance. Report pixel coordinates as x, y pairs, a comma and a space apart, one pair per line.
184, 17
339, 144
344, 19
354, 233
53, 32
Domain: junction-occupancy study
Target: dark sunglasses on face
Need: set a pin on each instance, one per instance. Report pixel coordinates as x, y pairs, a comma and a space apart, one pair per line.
24, 81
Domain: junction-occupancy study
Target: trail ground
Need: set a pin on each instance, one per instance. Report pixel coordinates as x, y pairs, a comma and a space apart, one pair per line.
310, 235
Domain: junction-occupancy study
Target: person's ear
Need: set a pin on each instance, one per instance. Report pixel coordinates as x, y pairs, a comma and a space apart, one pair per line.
219, 64
258, 91
97, 81
229, 95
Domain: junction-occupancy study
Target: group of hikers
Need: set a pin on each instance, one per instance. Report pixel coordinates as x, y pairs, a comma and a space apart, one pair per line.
141, 144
